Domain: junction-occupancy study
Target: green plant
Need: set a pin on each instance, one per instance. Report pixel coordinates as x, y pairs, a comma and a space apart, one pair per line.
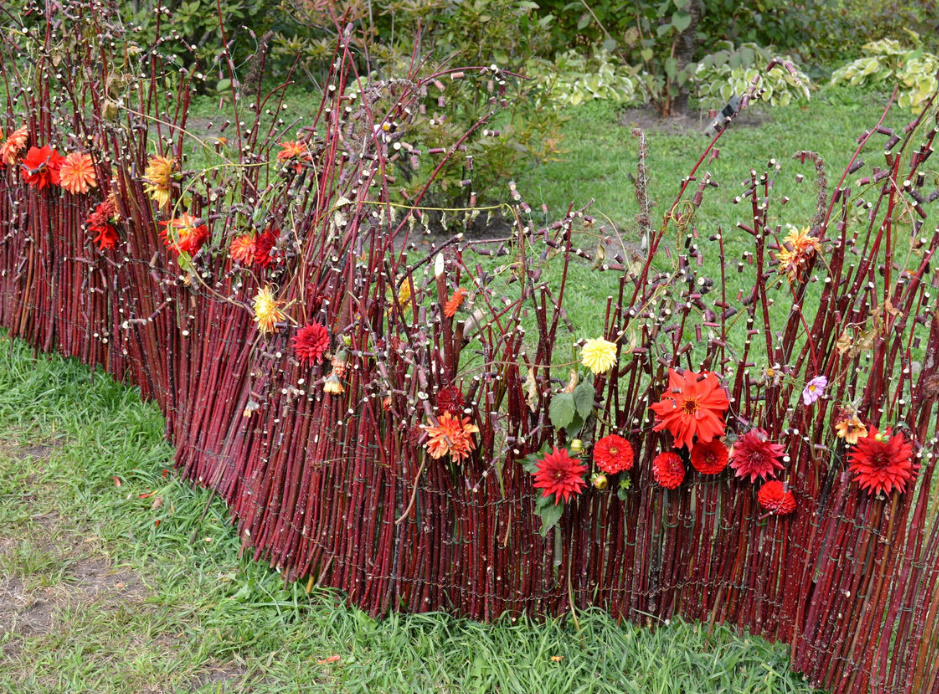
573, 78
730, 71
888, 63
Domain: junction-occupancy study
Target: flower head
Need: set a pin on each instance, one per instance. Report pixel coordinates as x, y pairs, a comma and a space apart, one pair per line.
242, 249
451, 435
814, 390
262, 249
185, 234
450, 399
798, 249
882, 462
13, 146
106, 237
158, 179
709, 457
267, 310
41, 167
295, 151
77, 173
101, 222
850, 428
560, 475
454, 303
668, 470
599, 355
693, 405
310, 343
613, 454
776, 498
754, 456
333, 385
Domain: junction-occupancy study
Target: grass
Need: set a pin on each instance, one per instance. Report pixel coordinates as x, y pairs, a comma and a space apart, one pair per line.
102, 590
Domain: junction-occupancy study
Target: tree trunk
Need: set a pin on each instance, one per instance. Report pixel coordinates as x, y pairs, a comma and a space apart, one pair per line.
684, 51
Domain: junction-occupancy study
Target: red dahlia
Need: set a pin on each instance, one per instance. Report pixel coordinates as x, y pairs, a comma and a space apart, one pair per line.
310, 343
883, 462
668, 470
709, 458
754, 456
693, 405
560, 475
262, 249
776, 498
41, 167
450, 399
106, 237
613, 454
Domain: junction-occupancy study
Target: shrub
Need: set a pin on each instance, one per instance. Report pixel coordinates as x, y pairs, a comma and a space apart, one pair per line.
730, 71
888, 63
573, 78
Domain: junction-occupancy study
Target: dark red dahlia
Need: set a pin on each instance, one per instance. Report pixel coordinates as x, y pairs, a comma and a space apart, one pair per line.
450, 399
668, 470
755, 456
310, 343
560, 475
613, 454
106, 237
882, 462
709, 458
776, 498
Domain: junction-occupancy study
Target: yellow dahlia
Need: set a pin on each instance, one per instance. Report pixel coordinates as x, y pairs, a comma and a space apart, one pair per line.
159, 179
77, 173
599, 355
267, 310
798, 249
851, 428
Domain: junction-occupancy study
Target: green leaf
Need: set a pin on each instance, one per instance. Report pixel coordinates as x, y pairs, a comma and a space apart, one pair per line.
223, 85
609, 45
671, 67
550, 515
562, 410
583, 398
646, 54
681, 4
681, 20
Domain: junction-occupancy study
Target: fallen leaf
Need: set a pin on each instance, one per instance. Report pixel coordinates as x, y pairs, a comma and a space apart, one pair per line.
557, 658
330, 659
157, 503
117, 482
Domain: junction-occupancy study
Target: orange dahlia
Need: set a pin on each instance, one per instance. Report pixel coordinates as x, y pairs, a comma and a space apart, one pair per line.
754, 456
41, 167
851, 429
185, 234
776, 498
613, 454
668, 470
13, 146
242, 249
452, 435
310, 343
693, 405
77, 173
295, 151
882, 462
560, 475
454, 303
709, 457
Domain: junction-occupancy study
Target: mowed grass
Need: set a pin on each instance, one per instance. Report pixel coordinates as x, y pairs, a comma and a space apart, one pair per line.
102, 589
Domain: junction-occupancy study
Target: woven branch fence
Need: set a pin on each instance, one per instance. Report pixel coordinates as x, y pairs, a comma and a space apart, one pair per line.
325, 463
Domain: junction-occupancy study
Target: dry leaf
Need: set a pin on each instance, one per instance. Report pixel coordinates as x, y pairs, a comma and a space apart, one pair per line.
569, 388
531, 390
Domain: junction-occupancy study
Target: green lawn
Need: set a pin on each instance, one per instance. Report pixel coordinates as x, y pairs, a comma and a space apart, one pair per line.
102, 589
